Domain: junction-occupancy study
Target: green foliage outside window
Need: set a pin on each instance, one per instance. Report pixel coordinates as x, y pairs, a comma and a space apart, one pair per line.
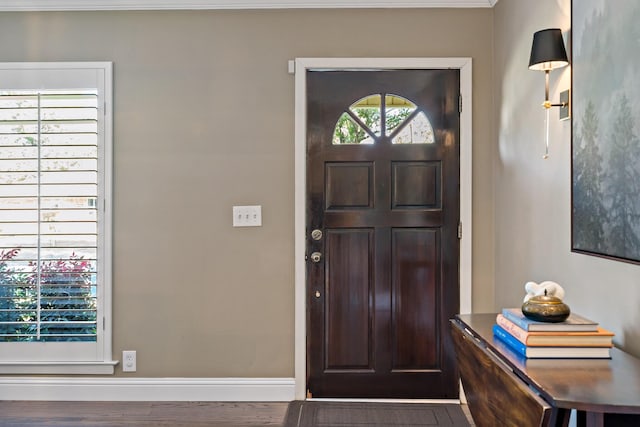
67, 306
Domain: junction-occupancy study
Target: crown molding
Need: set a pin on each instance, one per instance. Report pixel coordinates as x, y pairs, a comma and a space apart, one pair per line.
69, 5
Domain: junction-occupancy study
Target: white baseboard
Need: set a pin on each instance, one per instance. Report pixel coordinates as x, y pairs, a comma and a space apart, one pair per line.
148, 389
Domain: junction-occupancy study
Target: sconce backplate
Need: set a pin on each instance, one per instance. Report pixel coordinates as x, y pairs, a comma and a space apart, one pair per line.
565, 111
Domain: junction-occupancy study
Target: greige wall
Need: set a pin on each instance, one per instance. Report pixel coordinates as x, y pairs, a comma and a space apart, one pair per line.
204, 119
533, 196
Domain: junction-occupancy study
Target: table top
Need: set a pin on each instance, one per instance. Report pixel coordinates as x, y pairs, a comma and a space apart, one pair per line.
596, 385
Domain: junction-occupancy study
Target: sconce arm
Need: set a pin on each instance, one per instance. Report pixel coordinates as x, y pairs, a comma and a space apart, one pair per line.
548, 104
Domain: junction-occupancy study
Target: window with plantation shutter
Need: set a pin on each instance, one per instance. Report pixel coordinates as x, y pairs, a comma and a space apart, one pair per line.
54, 214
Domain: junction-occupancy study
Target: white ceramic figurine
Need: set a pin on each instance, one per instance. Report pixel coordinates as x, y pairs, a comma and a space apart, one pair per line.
534, 289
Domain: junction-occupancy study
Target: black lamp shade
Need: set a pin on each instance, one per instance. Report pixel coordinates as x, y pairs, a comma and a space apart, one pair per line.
547, 51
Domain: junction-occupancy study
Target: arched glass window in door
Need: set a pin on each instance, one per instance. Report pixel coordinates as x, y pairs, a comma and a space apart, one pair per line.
402, 120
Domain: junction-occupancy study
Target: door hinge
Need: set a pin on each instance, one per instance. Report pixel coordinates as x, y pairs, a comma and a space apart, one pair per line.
459, 230
460, 104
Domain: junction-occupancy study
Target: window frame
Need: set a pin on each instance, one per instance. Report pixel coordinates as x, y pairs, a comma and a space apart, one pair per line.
63, 357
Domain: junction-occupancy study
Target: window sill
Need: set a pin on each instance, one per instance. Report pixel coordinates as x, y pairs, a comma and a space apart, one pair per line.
79, 368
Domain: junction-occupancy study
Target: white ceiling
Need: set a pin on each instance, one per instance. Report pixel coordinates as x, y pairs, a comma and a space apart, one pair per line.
26, 5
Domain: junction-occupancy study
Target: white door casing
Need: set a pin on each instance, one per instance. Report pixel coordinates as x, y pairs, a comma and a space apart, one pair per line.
301, 67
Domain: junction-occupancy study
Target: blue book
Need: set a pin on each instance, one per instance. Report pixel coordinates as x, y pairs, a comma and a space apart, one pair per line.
510, 340
574, 323
550, 352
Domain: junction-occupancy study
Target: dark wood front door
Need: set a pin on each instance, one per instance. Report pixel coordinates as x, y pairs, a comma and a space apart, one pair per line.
382, 214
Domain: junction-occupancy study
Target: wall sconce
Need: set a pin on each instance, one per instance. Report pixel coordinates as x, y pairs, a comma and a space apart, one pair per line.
548, 53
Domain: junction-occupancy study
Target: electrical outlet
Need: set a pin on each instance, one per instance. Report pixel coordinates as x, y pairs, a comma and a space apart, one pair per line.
129, 361
247, 216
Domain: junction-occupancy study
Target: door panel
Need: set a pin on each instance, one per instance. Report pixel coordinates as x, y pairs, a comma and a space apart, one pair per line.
416, 185
349, 315
359, 191
383, 187
414, 262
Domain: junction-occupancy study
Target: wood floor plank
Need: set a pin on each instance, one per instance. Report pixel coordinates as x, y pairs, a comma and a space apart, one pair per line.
144, 414
141, 414
46, 409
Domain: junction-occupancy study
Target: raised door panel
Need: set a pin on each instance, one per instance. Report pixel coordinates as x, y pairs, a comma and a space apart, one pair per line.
349, 298
349, 185
415, 261
416, 185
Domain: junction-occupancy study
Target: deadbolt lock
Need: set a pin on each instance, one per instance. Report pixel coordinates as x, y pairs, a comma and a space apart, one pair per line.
316, 257
316, 234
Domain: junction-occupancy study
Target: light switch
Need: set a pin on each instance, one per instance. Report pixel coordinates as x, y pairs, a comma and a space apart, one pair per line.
247, 216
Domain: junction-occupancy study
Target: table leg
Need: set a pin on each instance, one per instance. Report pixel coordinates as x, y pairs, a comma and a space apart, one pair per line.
560, 418
590, 419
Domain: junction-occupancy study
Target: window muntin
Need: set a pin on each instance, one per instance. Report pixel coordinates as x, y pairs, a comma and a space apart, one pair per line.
347, 131
417, 130
403, 122
397, 109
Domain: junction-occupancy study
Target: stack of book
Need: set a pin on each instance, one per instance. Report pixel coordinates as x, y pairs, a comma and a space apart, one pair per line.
576, 337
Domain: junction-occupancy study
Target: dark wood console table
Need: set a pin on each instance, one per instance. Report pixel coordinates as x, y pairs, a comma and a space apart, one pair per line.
503, 388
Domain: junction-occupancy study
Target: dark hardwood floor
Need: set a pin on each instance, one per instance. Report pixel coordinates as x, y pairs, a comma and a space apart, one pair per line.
144, 414
141, 414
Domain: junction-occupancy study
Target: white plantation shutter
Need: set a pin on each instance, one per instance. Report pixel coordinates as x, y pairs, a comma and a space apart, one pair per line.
54, 215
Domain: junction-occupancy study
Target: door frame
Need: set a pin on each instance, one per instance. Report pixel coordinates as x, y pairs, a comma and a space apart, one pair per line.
301, 66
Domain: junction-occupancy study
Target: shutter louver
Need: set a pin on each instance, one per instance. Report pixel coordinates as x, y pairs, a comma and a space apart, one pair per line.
48, 215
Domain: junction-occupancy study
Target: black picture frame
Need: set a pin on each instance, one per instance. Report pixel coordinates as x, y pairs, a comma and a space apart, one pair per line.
605, 147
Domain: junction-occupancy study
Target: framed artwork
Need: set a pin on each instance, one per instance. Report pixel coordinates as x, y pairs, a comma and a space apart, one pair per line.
605, 150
